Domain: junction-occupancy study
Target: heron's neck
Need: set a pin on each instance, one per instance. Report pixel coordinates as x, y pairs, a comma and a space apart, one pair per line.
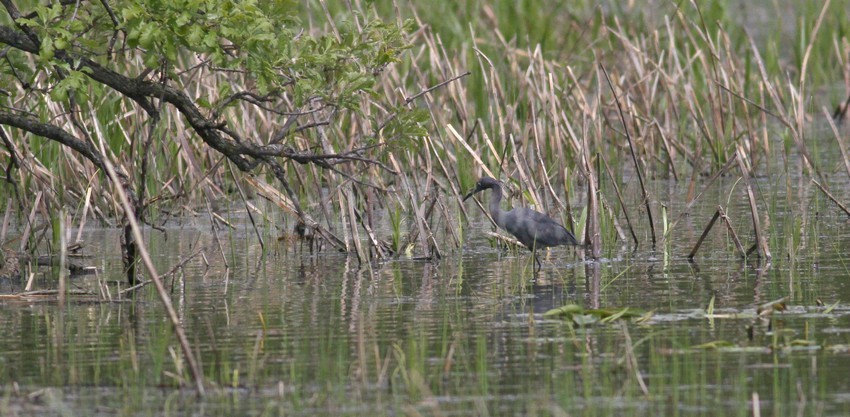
495, 200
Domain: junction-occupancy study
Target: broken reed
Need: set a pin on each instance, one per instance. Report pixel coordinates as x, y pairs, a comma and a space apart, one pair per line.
695, 91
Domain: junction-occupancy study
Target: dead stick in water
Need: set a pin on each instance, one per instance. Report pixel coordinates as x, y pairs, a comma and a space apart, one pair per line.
704, 234
831, 197
841, 147
620, 198
731, 229
634, 155
708, 184
761, 239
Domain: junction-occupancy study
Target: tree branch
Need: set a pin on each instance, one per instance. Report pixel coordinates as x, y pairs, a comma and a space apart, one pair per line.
55, 133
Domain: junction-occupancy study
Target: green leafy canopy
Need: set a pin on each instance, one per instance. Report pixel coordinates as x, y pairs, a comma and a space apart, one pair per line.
265, 41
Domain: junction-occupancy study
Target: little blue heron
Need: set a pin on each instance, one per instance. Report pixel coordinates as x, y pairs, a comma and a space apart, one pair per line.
531, 228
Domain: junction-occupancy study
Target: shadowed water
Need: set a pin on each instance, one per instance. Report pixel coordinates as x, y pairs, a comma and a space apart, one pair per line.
295, 333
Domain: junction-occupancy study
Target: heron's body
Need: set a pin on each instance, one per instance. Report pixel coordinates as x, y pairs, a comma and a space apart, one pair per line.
533, 229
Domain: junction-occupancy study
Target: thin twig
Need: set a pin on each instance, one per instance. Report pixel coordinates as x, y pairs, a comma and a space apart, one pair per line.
634, 154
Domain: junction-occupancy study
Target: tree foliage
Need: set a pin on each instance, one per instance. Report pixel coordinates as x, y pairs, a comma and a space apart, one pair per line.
70, 71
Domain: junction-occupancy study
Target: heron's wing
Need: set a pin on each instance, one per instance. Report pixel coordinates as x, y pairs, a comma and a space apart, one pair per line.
532, 227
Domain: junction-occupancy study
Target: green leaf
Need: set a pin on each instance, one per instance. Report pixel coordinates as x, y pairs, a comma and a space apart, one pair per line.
46, 52
566, 310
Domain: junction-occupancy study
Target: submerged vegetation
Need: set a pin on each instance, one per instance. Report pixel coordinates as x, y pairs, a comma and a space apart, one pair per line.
366, 122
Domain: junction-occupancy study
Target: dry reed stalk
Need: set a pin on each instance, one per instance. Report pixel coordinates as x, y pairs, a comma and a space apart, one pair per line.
620, 199
28, 226
459, 139
845, 157
379, 247
613, 216
274, 196
732, 232
801, 102
710, 182
6, 217
84, 215
431, 247
782, 115
247, 205
63, 255
666, 144
840, 112
500, 158
458, 194
588, 110
832, 198
761, 238
718, 214
570, 223
342, 212
419, 224
525, 179
592, 233
41, 295
197, 373
348, 200
713, 56
432, 182
103, 289
213, 216
450, 225
632, 361
634, 155
30, 280
508, 241
544, 176
557, 136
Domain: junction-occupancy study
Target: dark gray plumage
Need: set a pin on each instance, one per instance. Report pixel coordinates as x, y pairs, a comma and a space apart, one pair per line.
531, 228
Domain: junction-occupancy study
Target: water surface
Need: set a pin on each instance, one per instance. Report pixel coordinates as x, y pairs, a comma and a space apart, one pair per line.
301, 333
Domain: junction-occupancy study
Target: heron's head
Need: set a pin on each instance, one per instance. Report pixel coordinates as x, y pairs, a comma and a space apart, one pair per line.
482, 184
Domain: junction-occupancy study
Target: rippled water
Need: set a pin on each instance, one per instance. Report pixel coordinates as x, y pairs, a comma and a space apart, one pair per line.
297, 333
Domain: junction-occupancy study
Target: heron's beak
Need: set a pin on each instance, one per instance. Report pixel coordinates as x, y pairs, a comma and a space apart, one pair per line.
471, 193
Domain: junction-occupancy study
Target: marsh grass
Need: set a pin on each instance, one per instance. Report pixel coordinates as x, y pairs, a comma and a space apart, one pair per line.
695, 87
702, 96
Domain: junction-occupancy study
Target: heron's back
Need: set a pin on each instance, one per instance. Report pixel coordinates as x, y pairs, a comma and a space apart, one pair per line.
534, 229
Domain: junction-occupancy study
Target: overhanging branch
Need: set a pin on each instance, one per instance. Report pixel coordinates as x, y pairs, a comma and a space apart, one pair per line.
55, 133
